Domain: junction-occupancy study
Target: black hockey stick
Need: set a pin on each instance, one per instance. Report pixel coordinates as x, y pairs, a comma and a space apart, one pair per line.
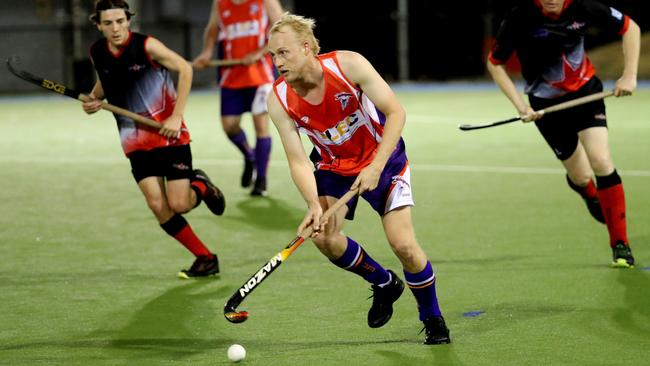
13, 62
551, 109
230, 309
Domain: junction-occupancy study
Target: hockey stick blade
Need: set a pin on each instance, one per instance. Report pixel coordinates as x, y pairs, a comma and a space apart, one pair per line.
12, 64
230, 311
468, 127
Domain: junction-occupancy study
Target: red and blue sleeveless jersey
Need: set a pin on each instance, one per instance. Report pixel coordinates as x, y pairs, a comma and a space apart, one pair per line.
550, 48
345, 127
133, 81
245, 28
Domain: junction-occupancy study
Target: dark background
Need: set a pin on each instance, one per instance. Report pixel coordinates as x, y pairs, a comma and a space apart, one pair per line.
448, 40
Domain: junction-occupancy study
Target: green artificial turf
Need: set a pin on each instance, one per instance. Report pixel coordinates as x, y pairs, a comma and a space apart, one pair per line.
88, 278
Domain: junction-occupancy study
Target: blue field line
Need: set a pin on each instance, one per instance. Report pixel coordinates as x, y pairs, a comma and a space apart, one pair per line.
472, 314
409, 87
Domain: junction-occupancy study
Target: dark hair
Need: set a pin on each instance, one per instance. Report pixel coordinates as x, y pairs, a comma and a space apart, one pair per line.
101, 5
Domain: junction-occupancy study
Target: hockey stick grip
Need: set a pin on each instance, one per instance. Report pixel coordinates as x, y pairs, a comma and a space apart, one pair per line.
579, 101
554, 108
331, 210
229, 62
124, 112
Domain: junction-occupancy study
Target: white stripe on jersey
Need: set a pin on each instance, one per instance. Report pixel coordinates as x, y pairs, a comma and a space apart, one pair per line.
281, 89
331, 65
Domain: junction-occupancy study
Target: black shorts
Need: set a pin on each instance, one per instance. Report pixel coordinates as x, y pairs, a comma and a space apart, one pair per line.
560, 129
171, 162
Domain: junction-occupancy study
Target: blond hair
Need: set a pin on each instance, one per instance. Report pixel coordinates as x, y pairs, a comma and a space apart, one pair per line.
303, 27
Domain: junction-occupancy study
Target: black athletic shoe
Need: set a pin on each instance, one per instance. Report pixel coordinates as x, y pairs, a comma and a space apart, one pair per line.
593, 205
435, 331
247, 175
382, 301
203, 266
214, 198
259, 189
622, 256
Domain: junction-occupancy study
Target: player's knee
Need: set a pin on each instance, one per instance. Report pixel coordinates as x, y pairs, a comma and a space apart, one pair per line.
580, 179
157, 205
325, 241
602, 165
179, 205
406, 250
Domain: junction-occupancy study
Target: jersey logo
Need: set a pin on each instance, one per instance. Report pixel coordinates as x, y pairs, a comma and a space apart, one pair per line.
575, 25
304, 119
242, 29
343, 98
343, 130
137, 67
254, 9
226, 13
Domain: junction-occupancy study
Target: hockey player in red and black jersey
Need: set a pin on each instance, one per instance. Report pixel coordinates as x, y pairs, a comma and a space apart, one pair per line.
133, 73
548, 37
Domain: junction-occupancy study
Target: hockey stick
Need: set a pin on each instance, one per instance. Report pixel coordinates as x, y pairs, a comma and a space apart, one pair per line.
551, 109
231, 62
230, 309
12, 63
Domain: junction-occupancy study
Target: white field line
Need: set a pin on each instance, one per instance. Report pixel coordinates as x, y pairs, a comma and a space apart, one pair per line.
282, 164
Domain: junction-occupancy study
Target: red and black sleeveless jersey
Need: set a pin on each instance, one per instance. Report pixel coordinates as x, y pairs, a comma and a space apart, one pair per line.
132, 80
551, 49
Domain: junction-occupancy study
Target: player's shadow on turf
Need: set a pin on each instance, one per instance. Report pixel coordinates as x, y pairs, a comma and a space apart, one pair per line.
169, 324
269, 214
635, 284
440, 355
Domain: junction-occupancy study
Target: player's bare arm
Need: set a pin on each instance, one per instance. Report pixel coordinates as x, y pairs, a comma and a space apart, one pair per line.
274, 12
210, 35
174, 62
299, 164
631, 49
507, 86
362, 73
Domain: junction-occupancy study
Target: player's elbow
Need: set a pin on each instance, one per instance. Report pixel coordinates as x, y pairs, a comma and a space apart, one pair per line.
397, 114
185, 69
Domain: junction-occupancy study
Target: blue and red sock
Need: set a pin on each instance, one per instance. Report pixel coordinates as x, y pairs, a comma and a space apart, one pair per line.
423, 287
356, 260
241, 142
262, 154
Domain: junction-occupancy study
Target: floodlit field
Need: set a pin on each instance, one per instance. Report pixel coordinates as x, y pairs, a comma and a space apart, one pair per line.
88, 278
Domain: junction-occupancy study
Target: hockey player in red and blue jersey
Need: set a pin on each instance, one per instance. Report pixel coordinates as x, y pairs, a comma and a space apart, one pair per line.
355, 122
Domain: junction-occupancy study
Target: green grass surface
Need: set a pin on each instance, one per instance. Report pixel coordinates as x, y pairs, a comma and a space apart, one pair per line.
88, 278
